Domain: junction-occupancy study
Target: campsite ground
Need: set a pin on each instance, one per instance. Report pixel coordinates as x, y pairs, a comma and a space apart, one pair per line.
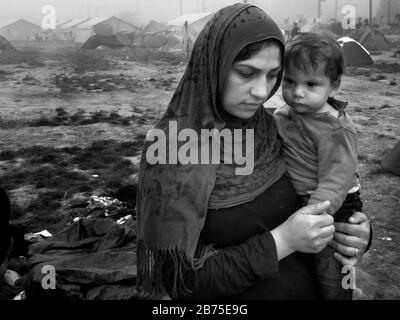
72, 124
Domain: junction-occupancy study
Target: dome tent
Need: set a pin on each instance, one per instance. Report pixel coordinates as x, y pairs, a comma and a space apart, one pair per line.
374, 40
391, 161
5, 45
354, 53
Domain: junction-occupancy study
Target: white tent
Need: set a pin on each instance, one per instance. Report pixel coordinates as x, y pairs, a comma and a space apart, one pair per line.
104, 26
68, 31
196, 22
20, 30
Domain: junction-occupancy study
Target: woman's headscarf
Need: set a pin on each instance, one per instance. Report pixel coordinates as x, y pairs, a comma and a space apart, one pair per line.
173, 199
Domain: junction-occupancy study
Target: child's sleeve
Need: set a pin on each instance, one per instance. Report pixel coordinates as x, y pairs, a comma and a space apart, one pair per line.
337, 165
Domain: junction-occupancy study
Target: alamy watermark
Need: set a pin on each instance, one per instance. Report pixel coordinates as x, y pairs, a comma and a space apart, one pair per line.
349, 280
49, 20
203, 148
49, 280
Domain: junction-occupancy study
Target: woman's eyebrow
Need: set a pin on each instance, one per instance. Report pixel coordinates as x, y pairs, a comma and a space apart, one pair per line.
244, 65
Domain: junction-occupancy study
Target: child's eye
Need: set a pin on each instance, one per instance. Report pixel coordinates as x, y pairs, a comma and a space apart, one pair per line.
288, 81
311, 84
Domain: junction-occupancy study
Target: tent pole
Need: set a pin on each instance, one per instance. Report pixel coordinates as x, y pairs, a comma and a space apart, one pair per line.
370, 12
319, 9
336, 9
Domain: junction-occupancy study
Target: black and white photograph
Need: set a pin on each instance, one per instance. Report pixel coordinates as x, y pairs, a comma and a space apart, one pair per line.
191, 150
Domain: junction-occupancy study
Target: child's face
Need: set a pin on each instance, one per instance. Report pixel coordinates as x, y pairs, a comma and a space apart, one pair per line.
308, 92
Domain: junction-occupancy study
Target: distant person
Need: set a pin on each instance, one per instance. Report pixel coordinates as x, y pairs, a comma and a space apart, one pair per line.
187, 41
320, 145
295, 30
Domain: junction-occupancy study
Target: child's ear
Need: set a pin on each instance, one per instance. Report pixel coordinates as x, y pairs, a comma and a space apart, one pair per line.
335, 87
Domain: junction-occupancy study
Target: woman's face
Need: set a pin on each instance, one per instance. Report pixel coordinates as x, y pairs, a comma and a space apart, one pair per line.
250, 82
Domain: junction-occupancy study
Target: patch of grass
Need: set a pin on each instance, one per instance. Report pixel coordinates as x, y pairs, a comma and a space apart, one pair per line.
12, 123
378, 77
148, 54
386, 106
64, 172
377, 170
354, 71
84, 61
42, 176
32, 58
63, 118
8, 155
387, 67
16, 211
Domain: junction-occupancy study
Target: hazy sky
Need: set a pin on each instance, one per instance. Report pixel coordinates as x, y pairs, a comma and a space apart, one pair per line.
141, 11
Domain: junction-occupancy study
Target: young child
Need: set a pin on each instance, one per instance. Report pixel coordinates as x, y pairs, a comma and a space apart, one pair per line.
320, 141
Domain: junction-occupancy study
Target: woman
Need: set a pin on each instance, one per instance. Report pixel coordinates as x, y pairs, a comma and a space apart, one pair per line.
207, 232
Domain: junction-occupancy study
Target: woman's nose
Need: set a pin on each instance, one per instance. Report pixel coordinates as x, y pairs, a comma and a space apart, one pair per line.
260, 88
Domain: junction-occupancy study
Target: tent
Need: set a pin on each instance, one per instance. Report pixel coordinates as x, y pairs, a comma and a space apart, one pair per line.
68, 31
20, 30
354, 53
374, 40
319, 28
5, 45
154, 27
336, 28
196, 23
118, 40
391, 161
105, 26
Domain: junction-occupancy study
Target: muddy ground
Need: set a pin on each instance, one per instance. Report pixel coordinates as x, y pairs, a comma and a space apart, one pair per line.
72, 124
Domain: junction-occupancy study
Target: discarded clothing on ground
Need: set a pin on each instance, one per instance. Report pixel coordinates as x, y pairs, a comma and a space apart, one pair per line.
92, 259
100, 207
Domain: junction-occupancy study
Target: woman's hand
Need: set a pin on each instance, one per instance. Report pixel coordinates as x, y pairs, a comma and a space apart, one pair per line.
351, 239
307, 230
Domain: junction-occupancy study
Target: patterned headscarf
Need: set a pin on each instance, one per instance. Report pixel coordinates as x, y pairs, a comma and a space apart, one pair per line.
173, 199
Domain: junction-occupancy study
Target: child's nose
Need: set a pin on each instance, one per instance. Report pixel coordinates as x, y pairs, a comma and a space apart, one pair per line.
299, 92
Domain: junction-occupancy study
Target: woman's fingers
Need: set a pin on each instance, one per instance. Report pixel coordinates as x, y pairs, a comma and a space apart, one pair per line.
326, 220
348, 251
346, 261
328, 231
350, 229
347, 240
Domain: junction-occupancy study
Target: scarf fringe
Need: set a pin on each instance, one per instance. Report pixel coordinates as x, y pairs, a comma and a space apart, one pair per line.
149, 275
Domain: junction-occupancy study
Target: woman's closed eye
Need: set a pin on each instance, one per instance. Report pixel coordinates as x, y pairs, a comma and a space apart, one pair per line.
246, 74
272, 76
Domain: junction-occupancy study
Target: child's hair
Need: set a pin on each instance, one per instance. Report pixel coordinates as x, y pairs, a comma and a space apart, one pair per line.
309, 49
